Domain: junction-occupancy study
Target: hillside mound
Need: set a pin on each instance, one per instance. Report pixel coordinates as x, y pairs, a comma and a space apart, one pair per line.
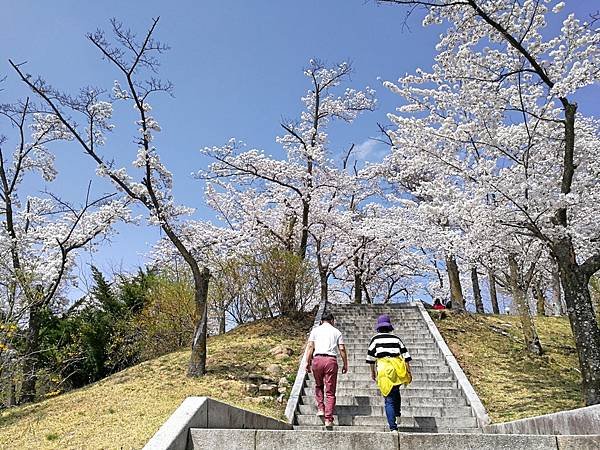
512, 383
127, 408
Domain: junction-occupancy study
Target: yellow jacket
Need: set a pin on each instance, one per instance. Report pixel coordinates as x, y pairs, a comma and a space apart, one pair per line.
391, 371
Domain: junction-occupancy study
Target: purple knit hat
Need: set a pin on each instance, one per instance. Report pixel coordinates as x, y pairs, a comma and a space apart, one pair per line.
383, 321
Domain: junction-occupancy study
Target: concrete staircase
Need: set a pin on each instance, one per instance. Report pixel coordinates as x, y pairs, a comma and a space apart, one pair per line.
434, 402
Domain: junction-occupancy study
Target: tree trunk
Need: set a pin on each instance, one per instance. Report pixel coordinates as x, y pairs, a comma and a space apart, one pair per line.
493, 292
477, 291
532, 341
324, 280
557, 301
540, 301
456, 295
357, 282
222, 322
31, 353
197, 365
584, 323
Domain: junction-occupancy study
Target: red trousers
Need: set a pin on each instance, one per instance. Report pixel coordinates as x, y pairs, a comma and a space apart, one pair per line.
325, 370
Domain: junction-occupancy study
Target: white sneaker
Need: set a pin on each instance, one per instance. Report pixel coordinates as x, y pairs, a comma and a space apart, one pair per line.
328, 424
320, 413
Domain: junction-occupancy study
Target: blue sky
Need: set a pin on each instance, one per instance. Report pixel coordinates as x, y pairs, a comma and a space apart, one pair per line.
237, 70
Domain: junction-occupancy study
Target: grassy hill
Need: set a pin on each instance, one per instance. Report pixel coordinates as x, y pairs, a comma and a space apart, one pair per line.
511, 383
126, 409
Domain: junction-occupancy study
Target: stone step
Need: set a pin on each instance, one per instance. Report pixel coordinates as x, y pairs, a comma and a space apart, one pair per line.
379, 411
367, 384
364, 343
378, 401
363, 367
416, 422
362, 349
408, 336
411, 391
384, 429
366, 377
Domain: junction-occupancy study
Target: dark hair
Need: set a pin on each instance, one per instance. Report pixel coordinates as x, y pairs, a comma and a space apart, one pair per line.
327, 317
437, 301
384, 329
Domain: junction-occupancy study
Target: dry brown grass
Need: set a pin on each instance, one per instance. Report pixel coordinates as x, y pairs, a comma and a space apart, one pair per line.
512, 383
126, 409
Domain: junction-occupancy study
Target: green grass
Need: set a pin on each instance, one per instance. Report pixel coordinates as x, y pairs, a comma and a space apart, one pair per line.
127, 408
511, 383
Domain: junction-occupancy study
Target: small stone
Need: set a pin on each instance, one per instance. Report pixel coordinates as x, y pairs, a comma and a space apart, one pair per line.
267, 389
274, 370
282, 390
255, 376
251, 388
283, 382
281, 350
281, 356
280, 398
265, 399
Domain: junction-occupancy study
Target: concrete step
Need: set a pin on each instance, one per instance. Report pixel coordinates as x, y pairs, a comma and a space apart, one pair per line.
407, 411
384, 429
363, 367
424, 344
413, 422
411, 391
378, 401
367, 384
366, 376
413, 351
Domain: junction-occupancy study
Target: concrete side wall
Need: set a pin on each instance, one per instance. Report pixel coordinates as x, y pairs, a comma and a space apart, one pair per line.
206, 413
296, 392
357, 440
581, 421
463, 382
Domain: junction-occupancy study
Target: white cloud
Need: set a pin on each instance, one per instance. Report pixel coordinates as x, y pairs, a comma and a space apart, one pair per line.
370, 150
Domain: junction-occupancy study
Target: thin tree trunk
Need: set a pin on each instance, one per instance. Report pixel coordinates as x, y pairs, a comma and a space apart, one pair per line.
493, 292
197, 365
574, 280
456, 295
540, 301
557, 301
477, 291
32, 348
357, 282
519, 293
222, 322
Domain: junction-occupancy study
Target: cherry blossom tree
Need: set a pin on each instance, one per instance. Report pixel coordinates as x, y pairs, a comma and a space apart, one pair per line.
136, 62
40, 237
498, 110
292, 199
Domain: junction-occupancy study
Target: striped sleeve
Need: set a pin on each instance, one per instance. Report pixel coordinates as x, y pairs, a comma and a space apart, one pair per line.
386, 344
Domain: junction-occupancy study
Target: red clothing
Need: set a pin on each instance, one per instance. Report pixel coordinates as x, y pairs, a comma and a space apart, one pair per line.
439, 306
325, 370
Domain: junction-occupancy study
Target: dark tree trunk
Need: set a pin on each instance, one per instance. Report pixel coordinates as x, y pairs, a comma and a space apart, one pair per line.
197, 365
324, 280
574, 280
519, 292
540, 300
456, 295
358, 290
222, 322
31, 353
493, 292
477, 291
